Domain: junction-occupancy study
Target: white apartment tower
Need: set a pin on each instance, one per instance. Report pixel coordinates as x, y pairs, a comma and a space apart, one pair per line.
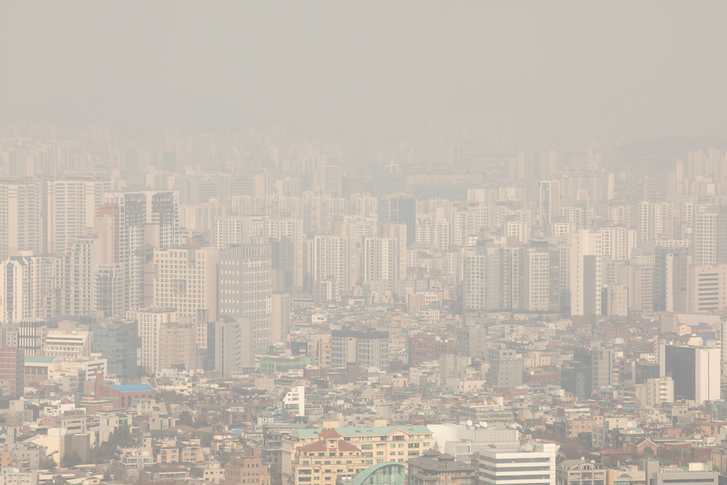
20, 212
25, 288
186, 279
245, 288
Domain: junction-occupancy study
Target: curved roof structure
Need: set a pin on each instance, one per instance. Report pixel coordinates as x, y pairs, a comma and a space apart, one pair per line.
395, 471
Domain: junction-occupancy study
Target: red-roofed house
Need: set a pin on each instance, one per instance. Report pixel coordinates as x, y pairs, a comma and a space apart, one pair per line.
329, 458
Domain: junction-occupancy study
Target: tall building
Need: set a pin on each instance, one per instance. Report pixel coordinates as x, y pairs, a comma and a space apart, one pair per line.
549, 201
149, 323
402, 209
76, 270
187, 280
535, 463
360, 347
670, 279
655, 391
245, 288
116, 341
26, 284
21, 207
584, 268
589, 371
279, 317
12, 370
385, 258
706, 288
709, 237
178, 348
695, 371
331, 179
70, 208
231, 346
332, 257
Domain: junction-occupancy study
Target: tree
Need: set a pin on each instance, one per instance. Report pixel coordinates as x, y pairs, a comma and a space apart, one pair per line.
186, 419
71, 460
49, 464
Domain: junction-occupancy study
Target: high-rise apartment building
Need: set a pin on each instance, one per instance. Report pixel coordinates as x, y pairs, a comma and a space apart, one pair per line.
70, 208
21, 207
186, 279
26, 284
402, 209
549, 201
709, 237
245, 288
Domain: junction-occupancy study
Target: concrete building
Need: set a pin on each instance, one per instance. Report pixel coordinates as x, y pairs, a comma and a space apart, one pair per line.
589, 371
12, 370
187, 281
694, 473
435, 468
360, 347
178, 349
231, 346
299, 464
21, 213
245, 288
655, 391
247, 468
400, 208
707, 288
279, 317
695, 371
25, 288
535, 463
506, 368
574, 472
149, 323
117, 342
69, 341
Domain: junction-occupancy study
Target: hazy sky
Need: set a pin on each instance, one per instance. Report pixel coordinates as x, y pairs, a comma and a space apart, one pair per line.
626, 68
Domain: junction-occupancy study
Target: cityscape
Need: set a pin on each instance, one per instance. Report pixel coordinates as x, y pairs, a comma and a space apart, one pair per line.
373, 294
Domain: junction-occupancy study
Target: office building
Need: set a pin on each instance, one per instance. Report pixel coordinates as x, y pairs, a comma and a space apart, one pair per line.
695, 371
589, 371
366, 348
534, 463
116, 341
68, 342
400, 208
245, 289
706, 288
